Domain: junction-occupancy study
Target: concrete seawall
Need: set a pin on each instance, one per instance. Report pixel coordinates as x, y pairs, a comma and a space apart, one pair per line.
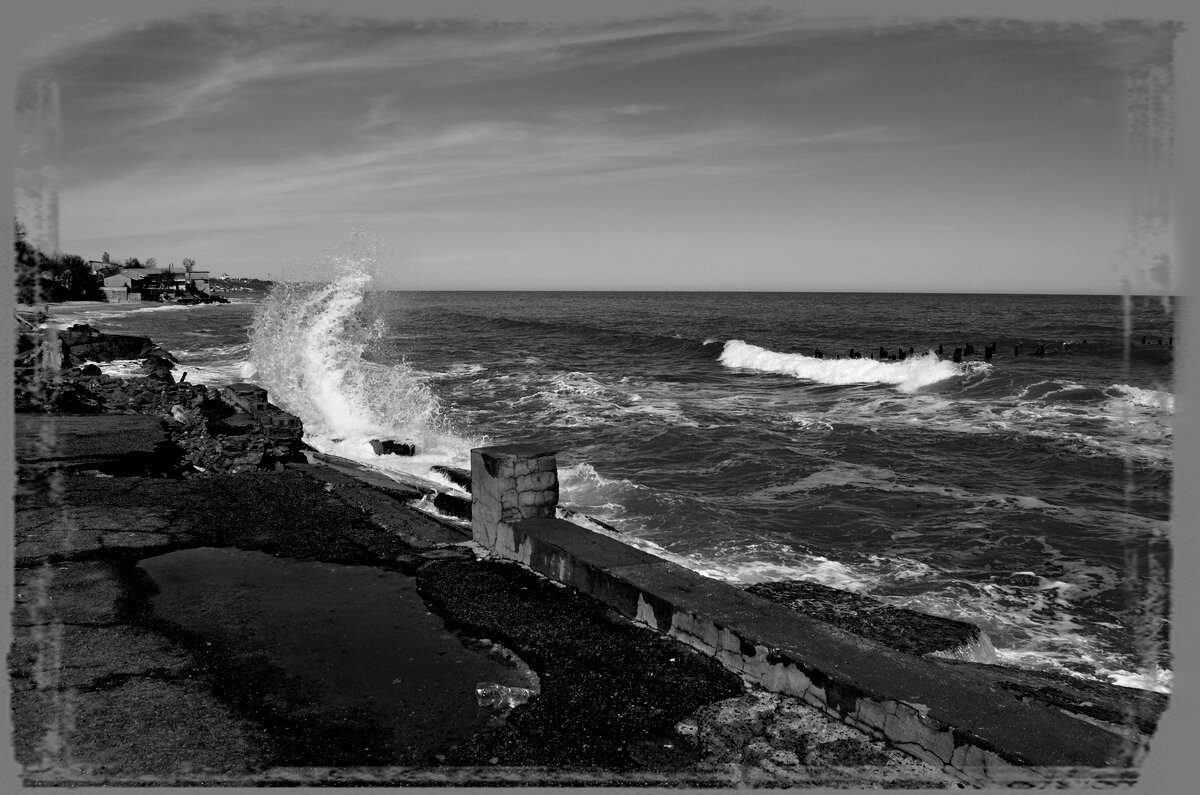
985, 724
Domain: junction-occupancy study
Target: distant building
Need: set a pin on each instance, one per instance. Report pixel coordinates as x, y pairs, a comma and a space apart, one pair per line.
154, 284
122, 288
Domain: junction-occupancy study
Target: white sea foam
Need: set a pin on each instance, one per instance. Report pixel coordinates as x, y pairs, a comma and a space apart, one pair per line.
211, 374
1127, 396
1157, 679
67, 315
908, 375
122, 368
1116, 524
581, 399
748, 566
1119, 428
806, 422
307, 342
456, 370
580, 485
1034, 626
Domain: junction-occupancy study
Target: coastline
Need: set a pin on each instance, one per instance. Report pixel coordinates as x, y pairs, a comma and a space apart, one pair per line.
99, 492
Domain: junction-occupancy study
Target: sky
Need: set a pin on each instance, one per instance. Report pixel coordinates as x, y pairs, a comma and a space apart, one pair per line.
704, 146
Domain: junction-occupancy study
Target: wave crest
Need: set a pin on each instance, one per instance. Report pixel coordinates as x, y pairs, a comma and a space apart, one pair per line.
306, 346
908, 375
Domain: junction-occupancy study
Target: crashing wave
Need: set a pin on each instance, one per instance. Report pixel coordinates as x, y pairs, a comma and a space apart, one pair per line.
908, 375
306, 347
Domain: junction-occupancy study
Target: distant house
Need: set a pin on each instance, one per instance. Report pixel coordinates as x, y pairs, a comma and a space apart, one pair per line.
154, 284
122, 287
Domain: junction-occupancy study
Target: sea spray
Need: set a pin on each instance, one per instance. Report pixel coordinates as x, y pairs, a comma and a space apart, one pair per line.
307, 343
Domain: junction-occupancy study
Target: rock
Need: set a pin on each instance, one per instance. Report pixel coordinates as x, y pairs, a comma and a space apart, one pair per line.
158, 368
84, 343
450, 504
459, 477
235, 424
160, 375
1023, 578
78, 334
90, 369
393, 447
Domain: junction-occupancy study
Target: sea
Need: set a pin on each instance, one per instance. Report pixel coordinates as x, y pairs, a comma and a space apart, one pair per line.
1027, 494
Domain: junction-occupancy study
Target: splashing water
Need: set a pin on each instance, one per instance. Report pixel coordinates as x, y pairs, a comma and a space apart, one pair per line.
306, 347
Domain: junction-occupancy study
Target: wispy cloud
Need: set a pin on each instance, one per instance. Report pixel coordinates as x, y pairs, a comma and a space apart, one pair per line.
276, 119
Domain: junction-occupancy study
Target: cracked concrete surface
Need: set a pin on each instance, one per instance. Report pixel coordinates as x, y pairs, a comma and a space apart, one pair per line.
763, 737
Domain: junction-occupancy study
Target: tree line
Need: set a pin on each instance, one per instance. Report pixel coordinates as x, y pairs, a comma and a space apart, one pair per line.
42, 278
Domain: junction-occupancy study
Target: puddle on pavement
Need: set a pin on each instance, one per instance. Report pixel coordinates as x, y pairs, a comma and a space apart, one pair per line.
344, 665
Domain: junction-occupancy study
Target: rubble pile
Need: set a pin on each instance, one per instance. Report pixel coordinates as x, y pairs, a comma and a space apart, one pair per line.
55, 372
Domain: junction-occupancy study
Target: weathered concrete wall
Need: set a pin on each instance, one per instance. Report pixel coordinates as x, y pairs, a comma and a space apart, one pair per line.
967, 719
510, 483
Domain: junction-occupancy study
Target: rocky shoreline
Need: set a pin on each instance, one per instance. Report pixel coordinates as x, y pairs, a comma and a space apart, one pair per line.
112, 471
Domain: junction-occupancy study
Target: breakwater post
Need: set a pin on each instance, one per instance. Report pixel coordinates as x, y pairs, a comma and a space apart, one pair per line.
510, 483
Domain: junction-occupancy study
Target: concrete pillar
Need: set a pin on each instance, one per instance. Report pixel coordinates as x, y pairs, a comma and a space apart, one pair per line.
510, 483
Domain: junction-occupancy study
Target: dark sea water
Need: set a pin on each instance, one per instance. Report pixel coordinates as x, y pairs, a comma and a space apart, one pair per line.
703, 428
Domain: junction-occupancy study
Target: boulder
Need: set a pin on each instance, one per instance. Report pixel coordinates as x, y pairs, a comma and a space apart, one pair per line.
84, 343
452, 505
459, 477
78, 334
393, 447
159, 375
154, 362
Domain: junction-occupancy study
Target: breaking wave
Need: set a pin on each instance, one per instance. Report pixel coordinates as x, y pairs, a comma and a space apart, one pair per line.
908, 375
306, 347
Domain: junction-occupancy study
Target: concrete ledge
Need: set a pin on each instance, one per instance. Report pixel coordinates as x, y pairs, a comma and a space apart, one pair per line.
966, 719
113, 444
896, 627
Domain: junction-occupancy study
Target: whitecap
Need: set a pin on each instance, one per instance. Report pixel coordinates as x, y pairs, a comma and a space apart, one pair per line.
908, 375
